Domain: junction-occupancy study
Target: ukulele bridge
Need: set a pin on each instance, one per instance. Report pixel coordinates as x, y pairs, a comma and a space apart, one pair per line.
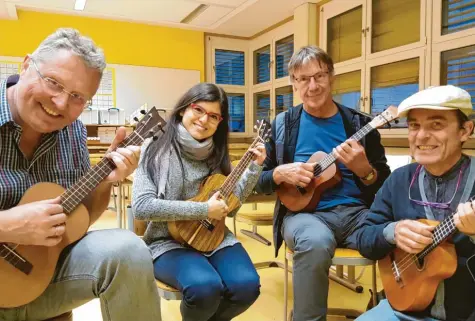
11, 256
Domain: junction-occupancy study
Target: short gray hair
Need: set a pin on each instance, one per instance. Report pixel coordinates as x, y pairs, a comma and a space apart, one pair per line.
71, 40
306, 54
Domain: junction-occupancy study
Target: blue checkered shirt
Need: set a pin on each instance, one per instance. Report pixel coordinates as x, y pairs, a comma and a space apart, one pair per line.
62, 156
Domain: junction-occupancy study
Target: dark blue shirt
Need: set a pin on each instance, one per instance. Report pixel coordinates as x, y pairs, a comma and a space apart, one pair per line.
324, 134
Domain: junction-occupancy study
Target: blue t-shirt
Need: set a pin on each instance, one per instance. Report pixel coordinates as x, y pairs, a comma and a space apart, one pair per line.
324, 134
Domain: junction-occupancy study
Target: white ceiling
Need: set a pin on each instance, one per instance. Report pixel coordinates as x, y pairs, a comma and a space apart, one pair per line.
242, 18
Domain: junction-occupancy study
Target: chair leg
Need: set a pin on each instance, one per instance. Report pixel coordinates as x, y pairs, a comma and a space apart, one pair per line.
374, 285
234, 224
286, 281
256, 236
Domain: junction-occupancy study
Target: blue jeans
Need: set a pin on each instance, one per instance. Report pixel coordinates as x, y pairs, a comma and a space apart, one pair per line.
215, 288
384, 312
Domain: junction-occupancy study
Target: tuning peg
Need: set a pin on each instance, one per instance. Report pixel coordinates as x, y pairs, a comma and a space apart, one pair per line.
143, 112
136, 119
155, 137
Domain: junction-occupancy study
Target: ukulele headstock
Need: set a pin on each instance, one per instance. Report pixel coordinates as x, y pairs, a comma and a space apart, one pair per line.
150, 124
263, 129
386, 116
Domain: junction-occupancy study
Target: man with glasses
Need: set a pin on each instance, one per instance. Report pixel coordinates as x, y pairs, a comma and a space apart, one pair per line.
41, 140
320, 124
439, 183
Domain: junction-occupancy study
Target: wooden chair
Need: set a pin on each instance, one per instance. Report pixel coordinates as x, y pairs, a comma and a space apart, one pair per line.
255, 217
167, 292
348, 257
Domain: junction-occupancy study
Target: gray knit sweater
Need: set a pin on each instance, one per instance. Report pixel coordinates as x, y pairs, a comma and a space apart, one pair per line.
147, 206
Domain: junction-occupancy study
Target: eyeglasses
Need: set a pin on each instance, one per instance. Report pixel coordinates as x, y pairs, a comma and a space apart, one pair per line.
56, 88
199, 111
320, 77
445, 205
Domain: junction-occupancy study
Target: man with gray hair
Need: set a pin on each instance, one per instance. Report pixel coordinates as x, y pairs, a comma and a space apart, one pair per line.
320, 124
41, 140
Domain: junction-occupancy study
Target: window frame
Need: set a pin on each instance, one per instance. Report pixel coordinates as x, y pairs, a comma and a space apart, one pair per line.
333, 9
437, 36
339, 70
415, 53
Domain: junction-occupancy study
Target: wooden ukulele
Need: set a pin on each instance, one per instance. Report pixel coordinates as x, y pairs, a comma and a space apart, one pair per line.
326, 173
410, 281
206, 235
27, 270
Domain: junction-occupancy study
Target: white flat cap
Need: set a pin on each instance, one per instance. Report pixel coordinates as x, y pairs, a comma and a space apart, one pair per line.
439, 97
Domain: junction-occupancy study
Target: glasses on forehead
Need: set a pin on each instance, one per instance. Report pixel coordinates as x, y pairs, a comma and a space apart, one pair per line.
200, 112
56, 88
319, 77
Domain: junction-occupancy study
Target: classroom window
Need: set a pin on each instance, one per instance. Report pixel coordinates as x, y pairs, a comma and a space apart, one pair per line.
284, 98
284, 50
229, 67
237, 109
394, 23
346, 89
344, 35
458, 69
457, 15
392, 83
262, 105
262, 65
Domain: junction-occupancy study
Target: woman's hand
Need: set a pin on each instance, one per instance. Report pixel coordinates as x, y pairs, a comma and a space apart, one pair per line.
259, 153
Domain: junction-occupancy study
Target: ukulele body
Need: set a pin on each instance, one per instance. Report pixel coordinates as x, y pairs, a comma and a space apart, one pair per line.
20, 288
418, 283
295, 201
192, 232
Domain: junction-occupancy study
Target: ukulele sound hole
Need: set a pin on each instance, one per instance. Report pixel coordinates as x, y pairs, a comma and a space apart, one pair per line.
419, 263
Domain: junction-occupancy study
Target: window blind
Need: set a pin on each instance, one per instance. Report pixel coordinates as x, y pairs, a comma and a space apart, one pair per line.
229, 67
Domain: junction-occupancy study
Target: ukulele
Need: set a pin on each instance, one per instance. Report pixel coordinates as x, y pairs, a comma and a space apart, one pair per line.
206, 235
27, 270
326, 173
410, 281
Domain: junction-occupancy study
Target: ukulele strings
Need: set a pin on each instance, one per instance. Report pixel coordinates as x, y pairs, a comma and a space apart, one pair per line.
410, 259
91, 175
206, 223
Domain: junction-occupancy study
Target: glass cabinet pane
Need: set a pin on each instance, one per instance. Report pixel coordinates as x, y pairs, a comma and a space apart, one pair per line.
262, 65
262, 105
394, 23
346, 89
458, 68
392, 83
229, 67
284, 99
344, 35
457, 15
237, 110
284, 50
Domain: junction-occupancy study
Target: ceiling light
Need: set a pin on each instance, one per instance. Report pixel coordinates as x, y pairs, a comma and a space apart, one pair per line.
80, 4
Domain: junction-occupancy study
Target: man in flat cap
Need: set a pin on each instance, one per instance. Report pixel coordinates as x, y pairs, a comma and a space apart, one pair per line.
439, 183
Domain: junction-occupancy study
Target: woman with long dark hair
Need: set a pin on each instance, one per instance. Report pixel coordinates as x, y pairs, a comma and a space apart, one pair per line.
221, 284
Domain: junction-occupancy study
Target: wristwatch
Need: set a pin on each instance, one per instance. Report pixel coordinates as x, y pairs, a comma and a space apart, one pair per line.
370, 176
